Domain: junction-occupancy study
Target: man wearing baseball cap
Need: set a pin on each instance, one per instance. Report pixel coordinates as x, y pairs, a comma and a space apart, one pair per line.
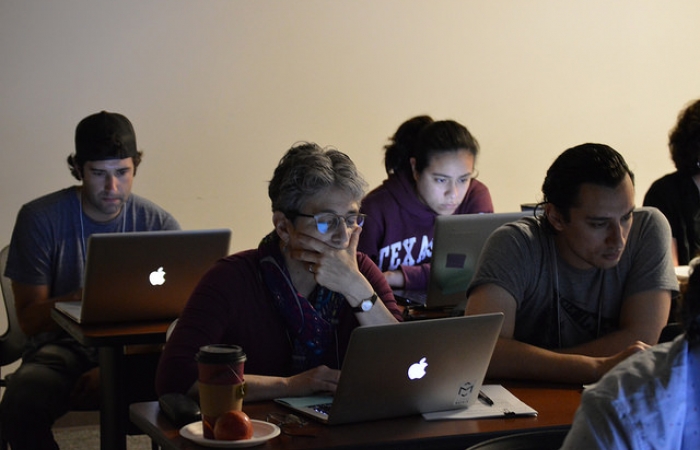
46, 262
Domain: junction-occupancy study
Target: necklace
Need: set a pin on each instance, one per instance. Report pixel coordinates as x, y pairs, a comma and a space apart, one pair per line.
82, 224
557, 295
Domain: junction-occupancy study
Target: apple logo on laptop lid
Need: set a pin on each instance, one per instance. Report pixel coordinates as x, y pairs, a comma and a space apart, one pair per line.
157, 277
417, 370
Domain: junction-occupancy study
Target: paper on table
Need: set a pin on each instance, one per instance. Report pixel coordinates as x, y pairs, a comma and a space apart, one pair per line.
504, 404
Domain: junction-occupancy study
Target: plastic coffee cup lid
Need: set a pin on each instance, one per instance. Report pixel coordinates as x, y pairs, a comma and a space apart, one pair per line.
220, 354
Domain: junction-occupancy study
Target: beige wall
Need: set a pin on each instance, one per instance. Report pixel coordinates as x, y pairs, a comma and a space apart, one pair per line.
219, 89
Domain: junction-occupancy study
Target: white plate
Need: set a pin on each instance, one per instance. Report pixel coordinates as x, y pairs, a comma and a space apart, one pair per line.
262, 432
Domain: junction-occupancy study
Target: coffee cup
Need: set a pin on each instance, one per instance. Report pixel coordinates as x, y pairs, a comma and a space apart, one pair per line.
221, 384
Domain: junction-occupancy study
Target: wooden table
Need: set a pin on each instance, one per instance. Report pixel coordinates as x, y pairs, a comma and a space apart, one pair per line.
118, 373
555, 405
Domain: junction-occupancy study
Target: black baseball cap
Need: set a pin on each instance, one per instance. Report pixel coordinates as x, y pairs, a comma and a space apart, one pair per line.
104, 135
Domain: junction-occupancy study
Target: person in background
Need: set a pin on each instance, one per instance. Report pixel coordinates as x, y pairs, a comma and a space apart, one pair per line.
652, 399
431, 171
677, 194
46, 262
583, 285
292, 302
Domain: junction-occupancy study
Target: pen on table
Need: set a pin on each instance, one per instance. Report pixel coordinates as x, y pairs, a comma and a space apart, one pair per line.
485, 398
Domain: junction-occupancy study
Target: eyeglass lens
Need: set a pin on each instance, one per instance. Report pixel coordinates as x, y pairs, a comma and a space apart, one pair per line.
329, 222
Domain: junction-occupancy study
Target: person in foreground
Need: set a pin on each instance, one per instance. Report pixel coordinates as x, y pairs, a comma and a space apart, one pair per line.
652, 399
677, 194
291, 303
431, 171
582, 286
46, 264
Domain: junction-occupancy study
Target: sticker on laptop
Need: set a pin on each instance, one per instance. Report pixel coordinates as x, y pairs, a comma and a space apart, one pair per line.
464, 393
455, 260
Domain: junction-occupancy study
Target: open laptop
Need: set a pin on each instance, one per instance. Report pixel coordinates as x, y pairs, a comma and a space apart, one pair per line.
144, 276
408, 368
457, 244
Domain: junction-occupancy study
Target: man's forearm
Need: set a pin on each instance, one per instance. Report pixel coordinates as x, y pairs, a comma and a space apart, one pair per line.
516, 360
609, 344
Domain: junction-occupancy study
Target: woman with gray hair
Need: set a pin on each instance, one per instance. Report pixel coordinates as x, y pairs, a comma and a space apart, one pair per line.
291, 303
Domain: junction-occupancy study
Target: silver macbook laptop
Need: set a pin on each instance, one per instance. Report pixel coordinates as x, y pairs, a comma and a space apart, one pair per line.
457, 244
408, 368
142, 276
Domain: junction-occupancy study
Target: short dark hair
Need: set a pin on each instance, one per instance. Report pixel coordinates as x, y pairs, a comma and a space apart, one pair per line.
684, 140
422, 138
306, 170
586, 163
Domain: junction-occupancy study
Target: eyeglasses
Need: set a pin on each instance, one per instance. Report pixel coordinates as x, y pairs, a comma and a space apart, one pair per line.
328, 222
290, 424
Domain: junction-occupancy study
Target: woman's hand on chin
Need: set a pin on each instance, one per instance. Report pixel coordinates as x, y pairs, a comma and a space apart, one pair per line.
334, 268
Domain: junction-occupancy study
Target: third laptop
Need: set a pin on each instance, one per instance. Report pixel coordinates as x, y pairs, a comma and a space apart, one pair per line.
457, 244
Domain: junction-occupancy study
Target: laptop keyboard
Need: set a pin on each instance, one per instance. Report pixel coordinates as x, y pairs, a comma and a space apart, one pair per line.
322, 408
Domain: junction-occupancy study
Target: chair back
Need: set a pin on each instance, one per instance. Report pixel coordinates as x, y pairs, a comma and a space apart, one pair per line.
549, 439
670, 332
12, 341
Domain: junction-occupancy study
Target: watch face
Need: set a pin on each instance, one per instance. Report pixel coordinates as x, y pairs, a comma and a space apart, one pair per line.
366, 305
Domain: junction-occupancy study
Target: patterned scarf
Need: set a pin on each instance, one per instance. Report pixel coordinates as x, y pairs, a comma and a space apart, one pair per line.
310, 322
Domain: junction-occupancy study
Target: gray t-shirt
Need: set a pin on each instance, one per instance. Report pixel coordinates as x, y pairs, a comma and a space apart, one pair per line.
50, 234
559, 306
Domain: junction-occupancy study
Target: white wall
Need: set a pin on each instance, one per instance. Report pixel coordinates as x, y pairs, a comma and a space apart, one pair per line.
219, 89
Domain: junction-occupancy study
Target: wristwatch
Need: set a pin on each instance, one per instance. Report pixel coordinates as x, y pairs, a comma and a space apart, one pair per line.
366, 304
